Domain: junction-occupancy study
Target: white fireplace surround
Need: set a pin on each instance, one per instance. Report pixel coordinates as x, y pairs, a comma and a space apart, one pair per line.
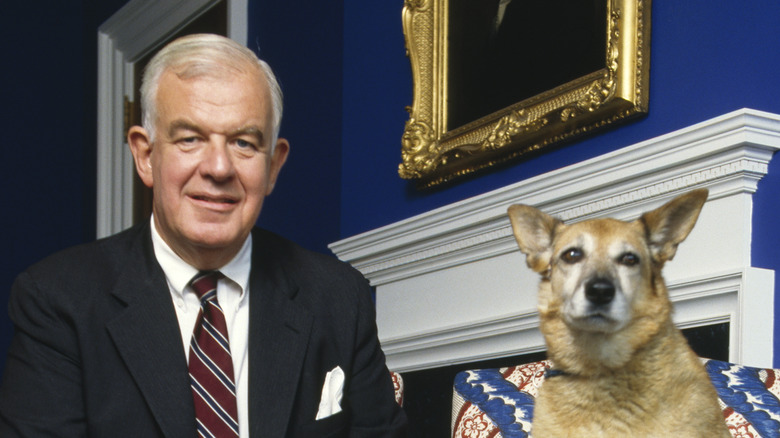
452, 287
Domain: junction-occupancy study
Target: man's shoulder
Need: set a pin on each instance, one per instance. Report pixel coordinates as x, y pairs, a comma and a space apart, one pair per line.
99, 257
303, 264
287, 251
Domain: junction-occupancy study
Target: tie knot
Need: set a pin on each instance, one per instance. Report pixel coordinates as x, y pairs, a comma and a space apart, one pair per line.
205, 284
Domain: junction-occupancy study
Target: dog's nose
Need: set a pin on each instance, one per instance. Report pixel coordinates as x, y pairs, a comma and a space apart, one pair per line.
600, 291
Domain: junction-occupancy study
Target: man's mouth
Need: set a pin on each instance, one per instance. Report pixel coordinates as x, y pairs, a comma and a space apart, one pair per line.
215, 199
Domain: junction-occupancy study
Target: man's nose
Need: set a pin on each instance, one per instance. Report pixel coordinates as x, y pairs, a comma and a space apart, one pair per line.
217, 162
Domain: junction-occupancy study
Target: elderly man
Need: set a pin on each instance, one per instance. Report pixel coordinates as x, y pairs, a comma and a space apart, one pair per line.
196, 321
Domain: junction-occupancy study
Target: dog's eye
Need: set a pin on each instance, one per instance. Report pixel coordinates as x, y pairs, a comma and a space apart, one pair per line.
628, 259
572, 255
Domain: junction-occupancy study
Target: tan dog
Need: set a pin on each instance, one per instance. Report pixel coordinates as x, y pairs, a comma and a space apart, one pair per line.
622, 369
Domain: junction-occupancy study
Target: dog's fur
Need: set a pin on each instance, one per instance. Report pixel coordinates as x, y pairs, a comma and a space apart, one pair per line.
622, 367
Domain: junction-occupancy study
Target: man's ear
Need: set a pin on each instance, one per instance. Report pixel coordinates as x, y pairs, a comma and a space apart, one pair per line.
668, 225
534, 232
278, 158
141, 147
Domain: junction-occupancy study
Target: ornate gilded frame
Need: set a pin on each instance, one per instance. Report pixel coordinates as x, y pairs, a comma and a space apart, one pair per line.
432, 155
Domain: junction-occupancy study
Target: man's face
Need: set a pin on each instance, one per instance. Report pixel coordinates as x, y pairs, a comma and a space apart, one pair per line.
211, 163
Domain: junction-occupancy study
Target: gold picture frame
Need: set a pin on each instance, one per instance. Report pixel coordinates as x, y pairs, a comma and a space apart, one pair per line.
433, 153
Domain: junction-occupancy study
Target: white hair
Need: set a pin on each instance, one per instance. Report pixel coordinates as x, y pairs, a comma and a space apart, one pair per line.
198, 55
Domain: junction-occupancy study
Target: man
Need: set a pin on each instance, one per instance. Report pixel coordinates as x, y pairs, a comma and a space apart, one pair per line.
113, 338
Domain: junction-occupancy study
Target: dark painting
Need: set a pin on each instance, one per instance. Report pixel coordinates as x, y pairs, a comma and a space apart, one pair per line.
501, 52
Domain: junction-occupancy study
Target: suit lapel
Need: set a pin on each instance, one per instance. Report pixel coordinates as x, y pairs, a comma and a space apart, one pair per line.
278, 338
147, 336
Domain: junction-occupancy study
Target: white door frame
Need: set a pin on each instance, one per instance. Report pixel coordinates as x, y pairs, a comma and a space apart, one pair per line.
131, 33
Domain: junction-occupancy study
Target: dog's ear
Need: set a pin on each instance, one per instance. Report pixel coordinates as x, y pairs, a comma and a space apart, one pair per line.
534, 232
671, 223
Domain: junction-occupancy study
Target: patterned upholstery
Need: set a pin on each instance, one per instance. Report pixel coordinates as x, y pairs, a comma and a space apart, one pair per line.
398, 387
495, 403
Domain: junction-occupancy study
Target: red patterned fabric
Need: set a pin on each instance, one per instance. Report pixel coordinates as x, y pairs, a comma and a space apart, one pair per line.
469, 421
398, 388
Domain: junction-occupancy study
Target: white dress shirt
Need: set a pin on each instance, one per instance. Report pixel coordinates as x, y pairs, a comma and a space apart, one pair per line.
233, 297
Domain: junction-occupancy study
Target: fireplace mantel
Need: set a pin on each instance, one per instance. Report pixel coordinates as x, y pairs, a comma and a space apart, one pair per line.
452, 286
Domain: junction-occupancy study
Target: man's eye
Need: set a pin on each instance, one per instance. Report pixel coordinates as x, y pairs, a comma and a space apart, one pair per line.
628, 259
572, 255
244, 144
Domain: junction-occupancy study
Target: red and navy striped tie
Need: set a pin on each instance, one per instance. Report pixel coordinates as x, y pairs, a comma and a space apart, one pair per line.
211, 365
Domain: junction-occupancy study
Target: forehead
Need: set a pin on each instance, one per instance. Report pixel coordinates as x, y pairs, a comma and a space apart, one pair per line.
605, 234
214, 92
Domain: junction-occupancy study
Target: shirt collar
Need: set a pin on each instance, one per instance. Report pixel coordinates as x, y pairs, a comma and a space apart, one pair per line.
179, 273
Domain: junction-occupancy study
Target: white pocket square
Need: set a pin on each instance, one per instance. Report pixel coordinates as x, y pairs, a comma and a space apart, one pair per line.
332, 392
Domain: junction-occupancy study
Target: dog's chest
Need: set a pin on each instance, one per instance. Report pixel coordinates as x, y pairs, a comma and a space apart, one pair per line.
599, 407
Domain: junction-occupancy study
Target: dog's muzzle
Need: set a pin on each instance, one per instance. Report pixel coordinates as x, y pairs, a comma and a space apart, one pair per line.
599, 291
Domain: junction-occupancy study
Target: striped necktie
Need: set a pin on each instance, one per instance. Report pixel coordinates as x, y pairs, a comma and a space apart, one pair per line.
211, 365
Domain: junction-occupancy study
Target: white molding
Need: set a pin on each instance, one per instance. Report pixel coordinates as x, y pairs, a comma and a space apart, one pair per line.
728, 154
698, 302
238, 22
426, 268
132, 32
114, 163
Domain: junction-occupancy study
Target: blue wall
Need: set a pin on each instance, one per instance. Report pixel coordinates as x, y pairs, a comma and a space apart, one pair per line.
304, 50
48, 92
707, 58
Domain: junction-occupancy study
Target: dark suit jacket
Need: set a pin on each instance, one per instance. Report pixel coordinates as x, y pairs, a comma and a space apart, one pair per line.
97, 350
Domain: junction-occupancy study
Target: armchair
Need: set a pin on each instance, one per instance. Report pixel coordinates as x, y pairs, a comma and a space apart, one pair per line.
498, 403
